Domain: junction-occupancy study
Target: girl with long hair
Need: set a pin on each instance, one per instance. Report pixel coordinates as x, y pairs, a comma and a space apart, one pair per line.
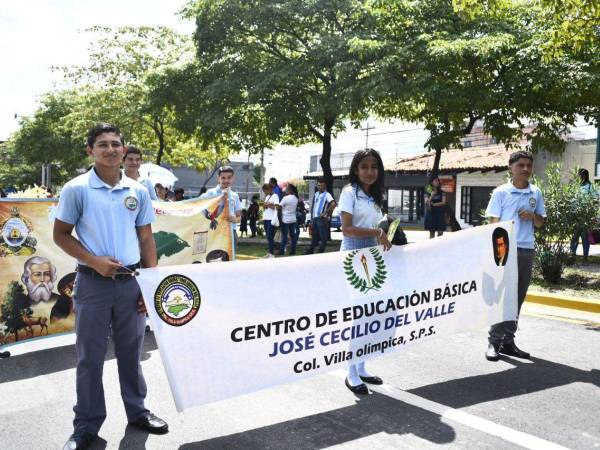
360, 206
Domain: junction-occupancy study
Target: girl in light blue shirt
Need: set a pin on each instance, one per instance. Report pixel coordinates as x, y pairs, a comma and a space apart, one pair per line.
360, 207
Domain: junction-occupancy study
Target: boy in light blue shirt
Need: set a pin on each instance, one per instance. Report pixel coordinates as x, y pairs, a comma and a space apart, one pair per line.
112, 215
522, 202
225, 177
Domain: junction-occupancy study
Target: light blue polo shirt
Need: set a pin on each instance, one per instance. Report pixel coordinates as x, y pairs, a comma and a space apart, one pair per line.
235, 204
505, 204
106, 217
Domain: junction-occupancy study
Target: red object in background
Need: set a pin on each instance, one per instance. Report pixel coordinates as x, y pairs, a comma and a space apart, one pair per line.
448, 184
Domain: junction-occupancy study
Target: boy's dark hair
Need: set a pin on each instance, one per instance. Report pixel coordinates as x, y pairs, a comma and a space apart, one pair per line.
272, 180
321, 180
102, 128
132, 150
225, 169
514, 157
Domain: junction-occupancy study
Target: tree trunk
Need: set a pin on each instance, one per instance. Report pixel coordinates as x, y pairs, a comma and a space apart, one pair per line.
161, 148
436, 163
326, 157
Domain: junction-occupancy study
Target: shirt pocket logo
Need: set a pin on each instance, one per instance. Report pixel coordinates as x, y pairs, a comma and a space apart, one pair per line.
131, 203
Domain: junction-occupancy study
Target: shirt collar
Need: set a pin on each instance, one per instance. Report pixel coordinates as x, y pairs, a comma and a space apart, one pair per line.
96, 183
515, 189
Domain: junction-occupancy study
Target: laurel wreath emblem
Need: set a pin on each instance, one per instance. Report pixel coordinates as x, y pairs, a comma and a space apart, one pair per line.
364, 285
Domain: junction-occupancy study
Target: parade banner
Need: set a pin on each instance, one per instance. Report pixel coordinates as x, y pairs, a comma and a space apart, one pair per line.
36, 277
225, 330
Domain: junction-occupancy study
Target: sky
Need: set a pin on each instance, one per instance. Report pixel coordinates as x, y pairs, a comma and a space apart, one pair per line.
38, 34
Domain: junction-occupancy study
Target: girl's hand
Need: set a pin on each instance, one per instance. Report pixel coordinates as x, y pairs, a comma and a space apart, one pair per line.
383, 240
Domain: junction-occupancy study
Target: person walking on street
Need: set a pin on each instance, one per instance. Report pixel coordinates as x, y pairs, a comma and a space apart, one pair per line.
522, 202
225, 177
112, 215
435, 203
587, 188
289, 227
253, 214
360, 206
270, 219
320, 212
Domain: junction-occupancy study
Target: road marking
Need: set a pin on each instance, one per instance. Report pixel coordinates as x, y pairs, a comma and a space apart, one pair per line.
508, 434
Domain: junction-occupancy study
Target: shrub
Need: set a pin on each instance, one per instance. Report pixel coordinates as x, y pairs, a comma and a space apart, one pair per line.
569, 211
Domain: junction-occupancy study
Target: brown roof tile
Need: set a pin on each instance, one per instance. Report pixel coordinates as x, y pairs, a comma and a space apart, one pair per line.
479, 158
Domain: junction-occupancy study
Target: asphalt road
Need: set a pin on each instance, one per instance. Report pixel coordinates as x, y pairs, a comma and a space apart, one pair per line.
440, 393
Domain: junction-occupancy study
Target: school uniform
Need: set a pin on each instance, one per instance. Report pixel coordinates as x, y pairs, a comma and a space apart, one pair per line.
105, 219
268, 215
319, 225
505, 203
365, 214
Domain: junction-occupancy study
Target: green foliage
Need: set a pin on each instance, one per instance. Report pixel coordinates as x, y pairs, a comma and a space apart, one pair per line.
52, 135
569, 211
450, 70
16, 171
570, 25
114, 87
14, 304
267, 72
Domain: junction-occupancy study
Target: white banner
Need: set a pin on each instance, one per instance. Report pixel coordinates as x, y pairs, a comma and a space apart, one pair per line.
233, 328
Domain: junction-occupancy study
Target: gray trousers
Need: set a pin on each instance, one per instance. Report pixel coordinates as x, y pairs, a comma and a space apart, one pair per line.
504, 332
101, 306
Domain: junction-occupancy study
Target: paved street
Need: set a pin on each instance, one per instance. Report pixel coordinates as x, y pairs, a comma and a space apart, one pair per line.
438, 393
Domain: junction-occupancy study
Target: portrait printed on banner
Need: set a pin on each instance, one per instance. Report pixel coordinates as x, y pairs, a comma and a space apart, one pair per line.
500, 245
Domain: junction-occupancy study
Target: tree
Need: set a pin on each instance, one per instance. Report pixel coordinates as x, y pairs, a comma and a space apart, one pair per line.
273, 71
14, 305
115, 87
569, 211
50, 136
15, 171
450, 72
572, 25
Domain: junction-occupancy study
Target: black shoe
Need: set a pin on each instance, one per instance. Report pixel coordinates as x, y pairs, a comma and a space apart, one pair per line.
492, 352
372, 380
151, 424
4, 354
512, 350
79, 443
361, 389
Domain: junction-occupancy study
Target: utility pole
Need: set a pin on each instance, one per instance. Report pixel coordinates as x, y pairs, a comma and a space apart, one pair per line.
367, 134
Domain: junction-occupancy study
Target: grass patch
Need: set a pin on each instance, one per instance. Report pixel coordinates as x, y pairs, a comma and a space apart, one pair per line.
578, 280
260, 250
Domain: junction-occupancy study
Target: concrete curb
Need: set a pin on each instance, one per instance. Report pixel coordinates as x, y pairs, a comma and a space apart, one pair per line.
580, 304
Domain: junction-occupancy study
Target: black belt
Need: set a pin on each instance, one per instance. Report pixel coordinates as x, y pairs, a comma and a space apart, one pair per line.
124, 273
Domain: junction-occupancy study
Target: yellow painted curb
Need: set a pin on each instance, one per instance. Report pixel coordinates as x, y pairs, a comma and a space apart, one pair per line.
246, 257
581, 304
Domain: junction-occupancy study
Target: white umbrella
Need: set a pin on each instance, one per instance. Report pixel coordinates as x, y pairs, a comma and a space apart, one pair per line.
157, 174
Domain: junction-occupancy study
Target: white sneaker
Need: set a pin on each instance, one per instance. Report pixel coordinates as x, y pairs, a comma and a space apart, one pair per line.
269, 255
